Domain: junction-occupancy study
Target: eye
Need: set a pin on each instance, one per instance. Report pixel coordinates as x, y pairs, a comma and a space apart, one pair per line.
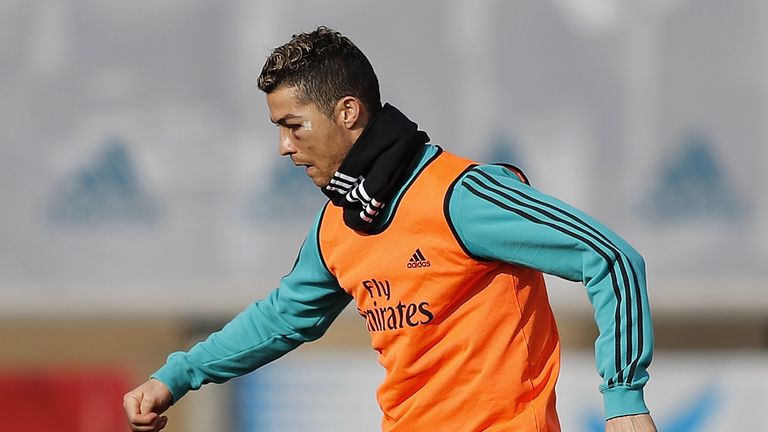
287, 126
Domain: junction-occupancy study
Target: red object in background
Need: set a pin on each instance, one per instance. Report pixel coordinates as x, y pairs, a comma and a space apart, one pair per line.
62, 401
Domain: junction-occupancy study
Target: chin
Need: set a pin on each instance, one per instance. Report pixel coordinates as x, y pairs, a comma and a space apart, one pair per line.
320, 182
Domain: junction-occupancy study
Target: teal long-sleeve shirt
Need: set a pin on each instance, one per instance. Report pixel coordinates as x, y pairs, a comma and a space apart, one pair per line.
496, 217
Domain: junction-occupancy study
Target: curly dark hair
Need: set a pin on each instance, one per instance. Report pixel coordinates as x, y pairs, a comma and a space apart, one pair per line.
324, 66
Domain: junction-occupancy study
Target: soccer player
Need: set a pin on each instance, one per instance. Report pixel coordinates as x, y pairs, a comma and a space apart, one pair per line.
443, 258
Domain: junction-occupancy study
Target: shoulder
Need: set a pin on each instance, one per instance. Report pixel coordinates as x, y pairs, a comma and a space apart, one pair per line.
501, 172
489, 177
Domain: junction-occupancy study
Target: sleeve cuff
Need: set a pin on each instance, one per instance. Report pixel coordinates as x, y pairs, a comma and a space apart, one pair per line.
175, 378
623, 401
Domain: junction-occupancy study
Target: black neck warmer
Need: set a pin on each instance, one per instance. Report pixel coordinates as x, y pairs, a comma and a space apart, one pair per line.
375, 168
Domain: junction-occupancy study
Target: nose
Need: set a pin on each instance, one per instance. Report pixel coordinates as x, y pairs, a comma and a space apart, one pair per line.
286, 145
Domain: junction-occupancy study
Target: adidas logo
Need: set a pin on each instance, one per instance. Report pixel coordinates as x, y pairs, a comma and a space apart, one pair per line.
418, 260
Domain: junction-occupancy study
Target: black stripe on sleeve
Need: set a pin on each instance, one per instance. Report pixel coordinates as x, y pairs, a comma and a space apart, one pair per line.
633, 367
571, 216
617, 255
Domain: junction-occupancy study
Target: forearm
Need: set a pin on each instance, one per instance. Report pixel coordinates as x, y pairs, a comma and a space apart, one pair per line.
624, 347
255, 337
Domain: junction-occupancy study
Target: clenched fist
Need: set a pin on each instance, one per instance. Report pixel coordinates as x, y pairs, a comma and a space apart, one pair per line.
144, 404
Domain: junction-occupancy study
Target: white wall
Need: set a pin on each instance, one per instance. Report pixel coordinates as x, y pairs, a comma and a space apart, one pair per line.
137, 161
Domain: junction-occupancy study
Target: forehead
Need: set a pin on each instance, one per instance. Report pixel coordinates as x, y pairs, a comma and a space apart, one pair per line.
284, 103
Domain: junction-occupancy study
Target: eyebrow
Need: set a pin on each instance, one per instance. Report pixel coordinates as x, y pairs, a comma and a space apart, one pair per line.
282, 121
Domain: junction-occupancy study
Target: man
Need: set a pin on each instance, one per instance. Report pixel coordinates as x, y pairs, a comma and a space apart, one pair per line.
444, 259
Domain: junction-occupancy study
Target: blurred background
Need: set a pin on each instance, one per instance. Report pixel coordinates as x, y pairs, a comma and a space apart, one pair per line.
141, 210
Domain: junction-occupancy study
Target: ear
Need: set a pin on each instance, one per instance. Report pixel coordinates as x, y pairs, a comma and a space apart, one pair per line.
349, 111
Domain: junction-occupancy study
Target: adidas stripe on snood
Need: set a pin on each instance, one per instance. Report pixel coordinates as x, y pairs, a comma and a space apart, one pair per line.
354, 190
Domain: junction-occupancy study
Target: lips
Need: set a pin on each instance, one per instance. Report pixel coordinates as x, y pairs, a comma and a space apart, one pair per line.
307, 167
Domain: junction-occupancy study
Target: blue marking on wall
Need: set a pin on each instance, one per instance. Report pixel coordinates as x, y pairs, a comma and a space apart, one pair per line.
263, 399
693, 185
252, 404
289, 195
105, 192
696, 415
503, 148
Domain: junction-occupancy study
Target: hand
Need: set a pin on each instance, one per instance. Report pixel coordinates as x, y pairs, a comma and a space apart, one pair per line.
144, 404
631, 423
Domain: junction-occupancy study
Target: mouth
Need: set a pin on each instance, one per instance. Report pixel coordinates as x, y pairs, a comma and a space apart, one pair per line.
306, 167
